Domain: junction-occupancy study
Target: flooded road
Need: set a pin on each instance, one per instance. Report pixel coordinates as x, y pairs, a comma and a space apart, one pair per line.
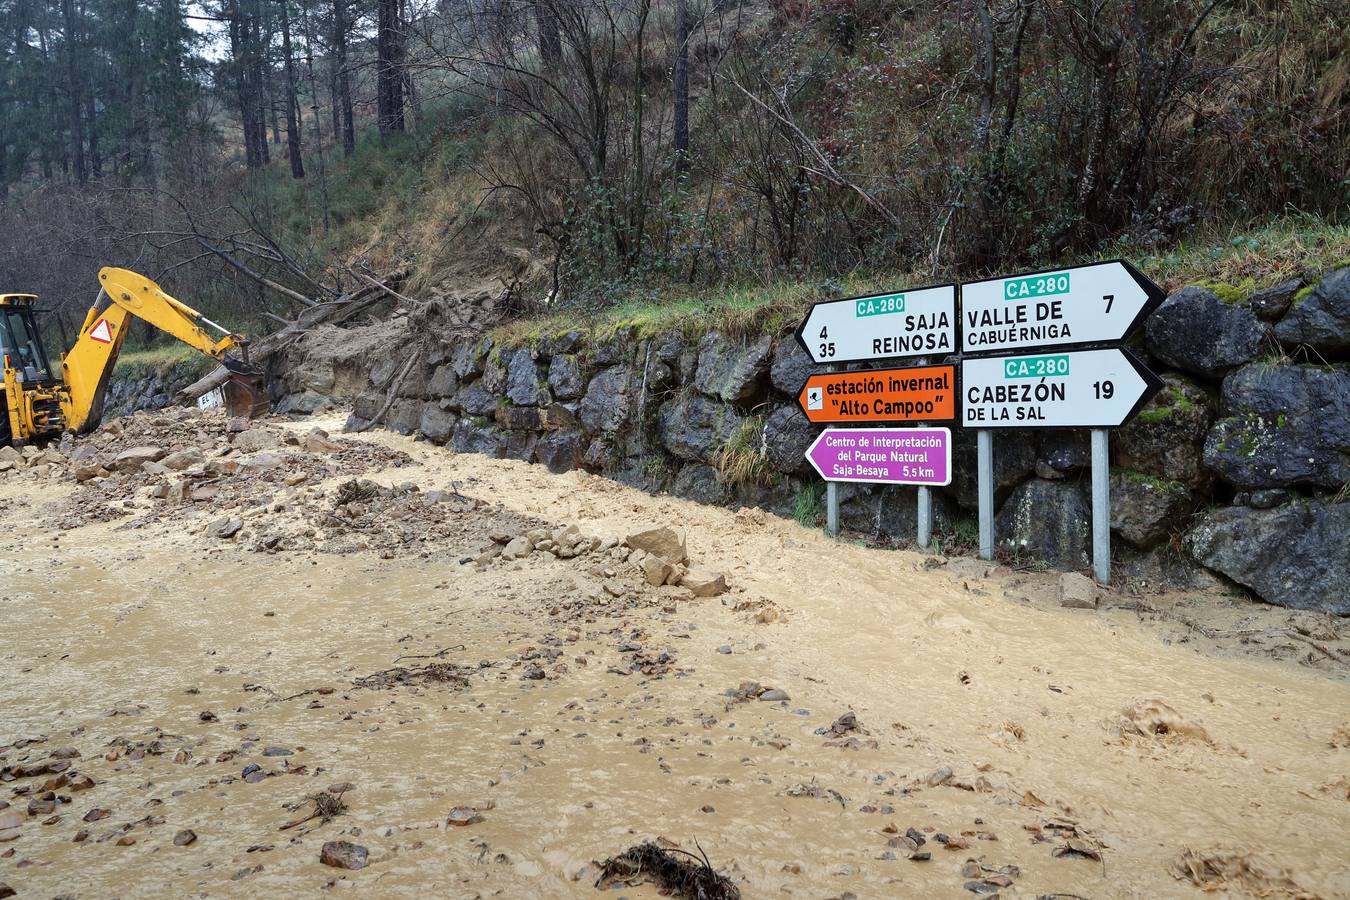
1036, 750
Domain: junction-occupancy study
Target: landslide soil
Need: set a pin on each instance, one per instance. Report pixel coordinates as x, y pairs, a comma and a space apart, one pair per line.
494, 729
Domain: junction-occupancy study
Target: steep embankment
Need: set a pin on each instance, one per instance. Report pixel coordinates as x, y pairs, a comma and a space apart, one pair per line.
1237, 467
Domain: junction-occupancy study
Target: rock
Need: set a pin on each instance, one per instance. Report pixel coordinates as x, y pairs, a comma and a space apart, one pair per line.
1050, 520
475, 400
494, 373
436, 423
787, 436
518, 548
225, 528
666, 542
791, 366
730, 370
1196, 331
404, 416
6, 891
524, 387
560, 451
1144, 509
1166, 438
704, 583
1268, 498
1295, 555
11, 818
609, 401
520, 418
177, 462
467, 358
132, 459
185, 838
236, 424
1283, 425
700, 483
565, 377
695, 428
1320, 319
89, 471
1272, 302
1014, 459
442, 383
343, 855
774, 694
1077, 591
304, 403
256, 439
1063, 451
656, 569
474, 437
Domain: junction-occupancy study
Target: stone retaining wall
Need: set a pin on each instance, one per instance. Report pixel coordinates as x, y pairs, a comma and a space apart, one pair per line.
1239, 466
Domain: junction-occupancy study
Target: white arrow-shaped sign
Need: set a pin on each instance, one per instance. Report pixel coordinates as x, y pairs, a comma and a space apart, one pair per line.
1078, 389
918, 322
1091, 304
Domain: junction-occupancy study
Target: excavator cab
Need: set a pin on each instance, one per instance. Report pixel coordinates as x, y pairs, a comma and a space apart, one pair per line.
20, 341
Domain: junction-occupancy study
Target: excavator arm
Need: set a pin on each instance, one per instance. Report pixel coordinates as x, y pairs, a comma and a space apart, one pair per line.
88, 366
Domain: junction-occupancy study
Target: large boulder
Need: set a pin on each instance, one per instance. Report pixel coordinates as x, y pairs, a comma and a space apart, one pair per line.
1050, 520
494, 373
524, 387
442, 383
889, 512
1166, 437
1144, 509
787, 436
565, 377
471, 436
1296, 555
730, 370
1320, 318
1196, 331
609, 400
701, 483
404, 417
560, 451
475, 400
695, 427
791, 366
1283, 425
436, 423
467, 358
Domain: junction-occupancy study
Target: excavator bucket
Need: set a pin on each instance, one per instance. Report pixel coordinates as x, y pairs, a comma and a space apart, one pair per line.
245, 395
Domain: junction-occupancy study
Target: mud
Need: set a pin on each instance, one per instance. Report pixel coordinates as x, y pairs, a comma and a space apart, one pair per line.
845, 721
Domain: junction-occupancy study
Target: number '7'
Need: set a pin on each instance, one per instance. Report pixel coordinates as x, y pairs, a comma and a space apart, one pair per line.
1109, 298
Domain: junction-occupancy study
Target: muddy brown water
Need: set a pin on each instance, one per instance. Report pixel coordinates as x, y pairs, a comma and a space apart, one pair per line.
104, 633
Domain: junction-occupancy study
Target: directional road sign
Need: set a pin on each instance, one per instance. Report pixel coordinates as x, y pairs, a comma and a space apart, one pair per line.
921, 456
914, 394
918, 322
1096, 303
1082, 388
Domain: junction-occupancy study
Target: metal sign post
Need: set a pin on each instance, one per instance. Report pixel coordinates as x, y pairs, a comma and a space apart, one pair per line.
985, 477
1101, 506
832, 508
924, 527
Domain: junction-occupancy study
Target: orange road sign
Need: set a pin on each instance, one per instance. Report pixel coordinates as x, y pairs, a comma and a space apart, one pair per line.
912, 394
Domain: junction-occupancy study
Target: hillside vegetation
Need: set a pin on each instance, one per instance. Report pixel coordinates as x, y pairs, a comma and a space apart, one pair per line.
826, 148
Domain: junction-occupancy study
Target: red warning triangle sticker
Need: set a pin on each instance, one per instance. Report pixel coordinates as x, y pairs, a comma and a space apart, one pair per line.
101, 332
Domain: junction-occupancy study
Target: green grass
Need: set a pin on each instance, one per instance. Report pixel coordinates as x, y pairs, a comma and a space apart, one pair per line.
133, 363
806, 508
1232, 263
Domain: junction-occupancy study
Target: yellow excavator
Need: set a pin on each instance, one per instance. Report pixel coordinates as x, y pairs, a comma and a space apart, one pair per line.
38, 403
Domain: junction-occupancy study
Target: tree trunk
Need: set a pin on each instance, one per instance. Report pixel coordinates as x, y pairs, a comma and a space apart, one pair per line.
292, 103
681, 86
344, 77
75, 93
550, 40
389, 69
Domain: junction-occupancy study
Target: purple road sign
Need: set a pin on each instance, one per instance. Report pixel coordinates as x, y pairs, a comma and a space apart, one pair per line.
920, 456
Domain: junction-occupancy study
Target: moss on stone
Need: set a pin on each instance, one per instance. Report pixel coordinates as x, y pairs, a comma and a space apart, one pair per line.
1232, 294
